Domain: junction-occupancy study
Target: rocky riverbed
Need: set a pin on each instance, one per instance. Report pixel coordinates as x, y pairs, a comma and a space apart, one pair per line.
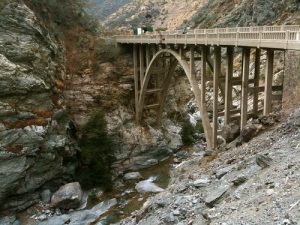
256, 183
73, 205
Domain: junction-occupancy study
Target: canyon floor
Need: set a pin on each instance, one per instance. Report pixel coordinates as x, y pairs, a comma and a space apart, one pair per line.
255, 183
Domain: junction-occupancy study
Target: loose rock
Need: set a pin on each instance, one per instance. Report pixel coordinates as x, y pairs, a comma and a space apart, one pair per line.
132, 176
147, 186
68, 196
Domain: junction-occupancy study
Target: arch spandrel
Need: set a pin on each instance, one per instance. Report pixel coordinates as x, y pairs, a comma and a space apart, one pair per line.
192, 80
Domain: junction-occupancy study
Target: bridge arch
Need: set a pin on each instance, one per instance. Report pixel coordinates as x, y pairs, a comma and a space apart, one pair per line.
190, 73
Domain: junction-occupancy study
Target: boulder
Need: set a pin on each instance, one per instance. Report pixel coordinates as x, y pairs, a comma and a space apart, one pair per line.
202, 182
248, 132
9, 220
147, 186
46, 196
215, 194
82, 217
132, 176
230, 132
68, 196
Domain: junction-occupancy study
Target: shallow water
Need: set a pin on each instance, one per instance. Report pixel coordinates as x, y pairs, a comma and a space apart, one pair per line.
129, 200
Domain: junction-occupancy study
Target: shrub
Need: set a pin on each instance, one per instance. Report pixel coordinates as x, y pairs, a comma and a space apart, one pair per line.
97, 154
187, 132
199, 127
97, 99
160, 29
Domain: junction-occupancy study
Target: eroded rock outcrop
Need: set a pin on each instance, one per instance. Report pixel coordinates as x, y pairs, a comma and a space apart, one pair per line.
33, 124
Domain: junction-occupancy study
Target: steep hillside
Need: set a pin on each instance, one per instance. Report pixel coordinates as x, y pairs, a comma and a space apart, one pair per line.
104, 8
168, 14
256, 183
227, 13
37, 142
174, 14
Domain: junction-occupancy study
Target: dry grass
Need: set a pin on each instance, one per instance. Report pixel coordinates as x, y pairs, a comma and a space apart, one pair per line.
40, 121
43, 113
14, 148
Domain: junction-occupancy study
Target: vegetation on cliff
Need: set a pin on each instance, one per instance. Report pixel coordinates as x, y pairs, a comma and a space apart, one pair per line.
97, 153
68, 22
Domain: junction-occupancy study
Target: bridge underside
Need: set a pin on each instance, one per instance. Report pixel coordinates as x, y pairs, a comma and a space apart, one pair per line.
154, 66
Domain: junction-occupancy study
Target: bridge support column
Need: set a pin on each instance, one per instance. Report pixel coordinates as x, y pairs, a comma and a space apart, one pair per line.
136, 80
228, 84
181, 52
204, 53
256, 81
268, 82
142, 65
217, 72
148, 55
245, 81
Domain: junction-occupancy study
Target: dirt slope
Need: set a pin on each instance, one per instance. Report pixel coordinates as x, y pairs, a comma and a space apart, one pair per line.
232, 187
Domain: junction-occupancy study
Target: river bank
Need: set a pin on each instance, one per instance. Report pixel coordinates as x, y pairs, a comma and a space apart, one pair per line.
255, 183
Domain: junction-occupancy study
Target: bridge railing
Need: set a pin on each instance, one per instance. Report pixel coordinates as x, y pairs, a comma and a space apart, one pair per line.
234, 36
248, 29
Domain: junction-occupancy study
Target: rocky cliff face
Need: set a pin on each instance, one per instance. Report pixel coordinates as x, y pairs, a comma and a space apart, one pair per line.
168, 14
33, 120
174, 14
246, 13
111, 90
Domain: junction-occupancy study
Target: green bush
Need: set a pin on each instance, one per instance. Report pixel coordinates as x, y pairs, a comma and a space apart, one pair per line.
199, 127
97, 99
187, 132
97, 154
161, 29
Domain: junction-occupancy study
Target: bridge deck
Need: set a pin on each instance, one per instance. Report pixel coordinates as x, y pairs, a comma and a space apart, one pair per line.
276, 37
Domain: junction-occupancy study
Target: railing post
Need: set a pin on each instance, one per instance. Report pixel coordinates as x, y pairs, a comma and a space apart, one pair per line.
236, 39
260, 34
287, 34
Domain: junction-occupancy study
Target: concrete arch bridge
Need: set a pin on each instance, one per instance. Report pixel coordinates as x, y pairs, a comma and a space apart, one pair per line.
155, 57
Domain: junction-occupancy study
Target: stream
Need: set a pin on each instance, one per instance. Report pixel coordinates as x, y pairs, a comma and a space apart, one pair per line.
128, 199
127, 196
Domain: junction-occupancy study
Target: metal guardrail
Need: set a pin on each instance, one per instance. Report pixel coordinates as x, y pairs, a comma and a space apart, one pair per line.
280, 37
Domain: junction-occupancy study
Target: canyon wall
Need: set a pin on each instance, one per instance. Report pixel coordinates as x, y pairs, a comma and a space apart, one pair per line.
34, 133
